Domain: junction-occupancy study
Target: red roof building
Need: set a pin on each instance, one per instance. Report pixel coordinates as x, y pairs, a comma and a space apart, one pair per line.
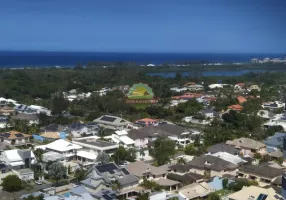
241, 99
147, 121
236, 107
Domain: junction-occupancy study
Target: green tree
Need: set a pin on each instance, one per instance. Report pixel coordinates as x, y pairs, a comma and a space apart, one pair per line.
102, 158
69, 169
31, 197
39, 158
163, 150
144, 196
123, 154
213, 196
59, 104
11, 183
57, 171
80, 174
224, 183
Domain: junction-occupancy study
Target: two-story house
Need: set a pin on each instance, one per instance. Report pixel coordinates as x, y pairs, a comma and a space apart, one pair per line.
248, 146
15, 138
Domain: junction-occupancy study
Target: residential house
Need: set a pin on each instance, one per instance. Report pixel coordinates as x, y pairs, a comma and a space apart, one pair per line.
146, 122
7, 111
255, 192
222, 147
112, 122
208, 113
239, 86
49, 158
143, 171
78, 129
20, 162
4, 102
121, 137
4, 171
54, 128
30, 118
105, 175
196, 190
15, 138
241, 99
52, 136
4, 122
94, 145
195, 87
248, 146
186, 178
235, 107
275, 142
214, 165
63, 147
253, 87
146, 135
273, 105
263, 174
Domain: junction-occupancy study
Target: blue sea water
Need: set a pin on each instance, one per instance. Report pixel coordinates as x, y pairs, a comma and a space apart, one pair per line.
70, 59
213, 73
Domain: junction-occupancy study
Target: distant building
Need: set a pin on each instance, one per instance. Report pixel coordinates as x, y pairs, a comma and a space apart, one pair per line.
112, 122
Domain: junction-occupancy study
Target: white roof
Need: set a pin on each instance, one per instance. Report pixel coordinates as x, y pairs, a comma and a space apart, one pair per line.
122, 132
229, 157
88, 155
126, 140
17, 163
62, 145
13, 155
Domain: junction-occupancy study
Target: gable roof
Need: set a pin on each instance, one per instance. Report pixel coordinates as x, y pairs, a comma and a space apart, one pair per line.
139, 168
14, 135
246, 143
235, 107
195, 190
211, 163
185, 178
127, 180
222, 147
262, 171
62, 145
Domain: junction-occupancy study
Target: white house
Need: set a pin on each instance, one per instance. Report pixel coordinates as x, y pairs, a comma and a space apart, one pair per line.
65, 148
20, 162
121, 137
94, 145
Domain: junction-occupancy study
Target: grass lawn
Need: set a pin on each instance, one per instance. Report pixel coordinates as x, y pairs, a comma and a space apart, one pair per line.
140, 106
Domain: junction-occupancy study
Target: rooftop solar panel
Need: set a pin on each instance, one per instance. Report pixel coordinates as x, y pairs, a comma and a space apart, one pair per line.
19, 135
125, 171
108, 119
107, 197
107, 168
6, 135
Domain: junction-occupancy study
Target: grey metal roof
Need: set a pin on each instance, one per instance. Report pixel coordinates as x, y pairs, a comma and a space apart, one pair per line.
127, 180
211, 163
262, 171
221, 147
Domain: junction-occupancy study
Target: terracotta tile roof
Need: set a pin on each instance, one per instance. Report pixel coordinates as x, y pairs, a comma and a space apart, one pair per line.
53, 135
235, 107
13, 135
147, 120
241, 84
241, 99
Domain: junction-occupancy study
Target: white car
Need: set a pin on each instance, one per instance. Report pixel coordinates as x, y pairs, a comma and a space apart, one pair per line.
39, 182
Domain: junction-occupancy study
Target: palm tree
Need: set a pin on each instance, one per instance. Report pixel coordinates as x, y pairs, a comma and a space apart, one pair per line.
39, 156
181, 161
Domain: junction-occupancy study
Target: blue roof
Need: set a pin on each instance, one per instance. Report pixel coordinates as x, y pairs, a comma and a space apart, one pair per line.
276, 140
38, 137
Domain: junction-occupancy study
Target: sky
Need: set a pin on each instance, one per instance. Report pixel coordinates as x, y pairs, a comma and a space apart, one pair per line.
179, 26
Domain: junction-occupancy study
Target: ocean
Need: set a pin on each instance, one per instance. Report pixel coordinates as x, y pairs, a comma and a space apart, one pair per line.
13, 59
